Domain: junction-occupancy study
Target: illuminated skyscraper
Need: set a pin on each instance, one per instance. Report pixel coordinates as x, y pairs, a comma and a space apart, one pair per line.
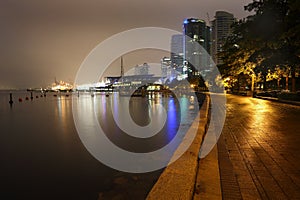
221, 29
165, 66
167, 72
195, 57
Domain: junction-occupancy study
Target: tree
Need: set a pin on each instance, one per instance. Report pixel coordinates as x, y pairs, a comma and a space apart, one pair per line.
266, 40
278, 21
235, 55
290, 39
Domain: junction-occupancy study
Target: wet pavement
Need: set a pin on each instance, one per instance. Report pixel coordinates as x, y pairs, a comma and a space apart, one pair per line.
259, 150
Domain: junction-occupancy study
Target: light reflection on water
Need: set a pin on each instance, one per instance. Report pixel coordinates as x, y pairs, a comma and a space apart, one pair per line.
140, 111
171, 118
62, 109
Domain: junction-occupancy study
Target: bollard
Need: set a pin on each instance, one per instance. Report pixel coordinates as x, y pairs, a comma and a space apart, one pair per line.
10, 99
31, 96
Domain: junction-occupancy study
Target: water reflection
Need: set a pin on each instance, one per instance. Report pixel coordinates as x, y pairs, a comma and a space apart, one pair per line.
62, 111
184, 103
172, 119
61, 105
111, 144
142, 112
108, 109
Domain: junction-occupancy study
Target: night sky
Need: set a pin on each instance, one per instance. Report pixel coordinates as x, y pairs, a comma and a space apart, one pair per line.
44, 39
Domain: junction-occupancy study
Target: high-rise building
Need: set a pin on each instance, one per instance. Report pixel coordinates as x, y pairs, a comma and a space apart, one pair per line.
195, 57
177, 52
141, 69
165, 66
221, 29
167, 72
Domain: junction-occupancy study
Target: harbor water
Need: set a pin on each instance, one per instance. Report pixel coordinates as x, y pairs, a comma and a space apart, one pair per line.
42, 156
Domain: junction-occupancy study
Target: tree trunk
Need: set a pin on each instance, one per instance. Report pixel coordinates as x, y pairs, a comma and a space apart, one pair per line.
264, 82
252, 83
293, 73
287, 82
238, 85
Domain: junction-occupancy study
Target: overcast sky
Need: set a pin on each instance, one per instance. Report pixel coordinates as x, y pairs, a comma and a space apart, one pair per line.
44, 39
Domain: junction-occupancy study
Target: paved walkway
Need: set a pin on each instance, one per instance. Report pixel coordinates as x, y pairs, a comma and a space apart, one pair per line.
259, 150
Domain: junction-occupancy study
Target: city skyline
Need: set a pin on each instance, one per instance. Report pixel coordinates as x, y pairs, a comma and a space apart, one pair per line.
41, 41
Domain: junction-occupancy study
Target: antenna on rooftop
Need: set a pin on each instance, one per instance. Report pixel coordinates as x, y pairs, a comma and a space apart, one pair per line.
208, 18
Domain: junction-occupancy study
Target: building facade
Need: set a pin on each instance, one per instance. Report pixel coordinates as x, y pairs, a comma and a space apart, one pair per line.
177, 52
141, 69
167, 71
221, 29
196, 57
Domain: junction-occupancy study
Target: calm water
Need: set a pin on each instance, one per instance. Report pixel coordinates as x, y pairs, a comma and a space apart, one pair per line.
42, 156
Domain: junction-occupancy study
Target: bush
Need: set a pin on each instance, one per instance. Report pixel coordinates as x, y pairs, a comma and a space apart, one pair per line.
291, 96
268, 94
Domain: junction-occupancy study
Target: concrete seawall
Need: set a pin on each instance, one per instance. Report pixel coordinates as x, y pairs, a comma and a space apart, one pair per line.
179, 179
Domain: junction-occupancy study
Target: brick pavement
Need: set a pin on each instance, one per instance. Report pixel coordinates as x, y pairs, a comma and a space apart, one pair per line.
259, 150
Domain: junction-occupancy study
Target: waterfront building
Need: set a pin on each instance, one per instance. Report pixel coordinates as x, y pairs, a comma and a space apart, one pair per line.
177, 52
196, 57
141, 69
165, 66
221, 29
61, 86
167, 71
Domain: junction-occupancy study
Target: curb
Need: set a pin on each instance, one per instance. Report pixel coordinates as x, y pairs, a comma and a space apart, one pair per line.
178, 179
208, 184
295, 103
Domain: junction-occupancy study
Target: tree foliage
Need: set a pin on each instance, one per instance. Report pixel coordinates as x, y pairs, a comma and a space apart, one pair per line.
265, 41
